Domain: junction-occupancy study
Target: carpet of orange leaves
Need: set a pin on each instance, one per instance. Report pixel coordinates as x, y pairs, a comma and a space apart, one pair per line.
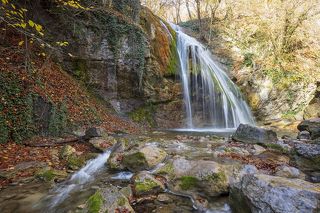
56, 86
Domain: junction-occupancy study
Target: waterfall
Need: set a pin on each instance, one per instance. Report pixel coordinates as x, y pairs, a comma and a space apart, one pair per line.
212, 101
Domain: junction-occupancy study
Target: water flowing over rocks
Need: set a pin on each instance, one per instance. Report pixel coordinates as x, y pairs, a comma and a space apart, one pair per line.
177, 171
250, 134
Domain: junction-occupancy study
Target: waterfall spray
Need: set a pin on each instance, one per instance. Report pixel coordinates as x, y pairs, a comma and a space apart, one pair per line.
212, 100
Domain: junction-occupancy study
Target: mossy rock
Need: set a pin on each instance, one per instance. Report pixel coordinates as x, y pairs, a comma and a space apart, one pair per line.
254, 100
308, 164
115, 161
173, 66
108, 199
67, 151
277, 148
144, 158
188, 182
216, 184
95, 203
167, 170
75, 162
145, 184
135, 161
49, 175
199, 176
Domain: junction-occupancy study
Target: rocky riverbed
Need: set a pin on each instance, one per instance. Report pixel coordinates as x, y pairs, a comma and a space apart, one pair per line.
251, 170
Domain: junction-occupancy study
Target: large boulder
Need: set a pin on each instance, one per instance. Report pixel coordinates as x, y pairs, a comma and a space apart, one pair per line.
312, 126
307, 150
269, 194
108, 199
250, 134
307, 156
144, 158
116, 157
196, 176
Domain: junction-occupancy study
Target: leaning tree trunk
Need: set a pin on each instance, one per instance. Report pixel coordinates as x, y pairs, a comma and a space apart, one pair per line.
199, 15
188, 9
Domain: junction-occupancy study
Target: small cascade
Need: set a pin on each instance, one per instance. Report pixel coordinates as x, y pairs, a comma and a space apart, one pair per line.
212, 100
78, 180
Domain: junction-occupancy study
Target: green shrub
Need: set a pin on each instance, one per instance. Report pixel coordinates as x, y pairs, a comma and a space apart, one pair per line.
16, 105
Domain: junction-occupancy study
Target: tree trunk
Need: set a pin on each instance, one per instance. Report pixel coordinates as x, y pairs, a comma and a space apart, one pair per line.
199, 15
188, 9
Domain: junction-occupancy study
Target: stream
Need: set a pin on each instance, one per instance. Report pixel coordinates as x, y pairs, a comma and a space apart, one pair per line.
71, 195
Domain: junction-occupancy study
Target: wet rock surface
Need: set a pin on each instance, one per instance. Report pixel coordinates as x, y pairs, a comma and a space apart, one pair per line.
108, 199
264, 193
144, 158
312, 126
250, 134
289, 172
202, 176
146, 184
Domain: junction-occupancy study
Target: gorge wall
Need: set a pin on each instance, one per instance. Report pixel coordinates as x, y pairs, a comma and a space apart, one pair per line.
126, 55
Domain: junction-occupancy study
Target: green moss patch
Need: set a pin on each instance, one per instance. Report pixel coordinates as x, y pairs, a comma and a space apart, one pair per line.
167, 169
49, 175
135, 161
145, 186
74, 162
188, 182
173, 65
144, 115
277, 147
217, 177
95, 203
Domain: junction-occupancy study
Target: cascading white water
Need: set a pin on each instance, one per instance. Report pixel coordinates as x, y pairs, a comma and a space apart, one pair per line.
212, 100
83, 176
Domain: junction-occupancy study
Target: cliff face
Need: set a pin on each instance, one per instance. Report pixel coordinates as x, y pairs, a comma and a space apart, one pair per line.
127, 56
120, 59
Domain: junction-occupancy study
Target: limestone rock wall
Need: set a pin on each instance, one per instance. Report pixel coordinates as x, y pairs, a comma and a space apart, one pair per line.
127, 56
